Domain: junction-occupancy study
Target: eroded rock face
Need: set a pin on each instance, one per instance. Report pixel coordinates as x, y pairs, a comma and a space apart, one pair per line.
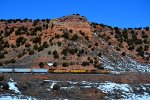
74, 22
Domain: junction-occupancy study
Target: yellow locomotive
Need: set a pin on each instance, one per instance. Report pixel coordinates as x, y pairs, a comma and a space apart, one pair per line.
78, 71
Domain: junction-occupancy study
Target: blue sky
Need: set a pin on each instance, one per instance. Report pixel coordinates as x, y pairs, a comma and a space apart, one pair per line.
121, 13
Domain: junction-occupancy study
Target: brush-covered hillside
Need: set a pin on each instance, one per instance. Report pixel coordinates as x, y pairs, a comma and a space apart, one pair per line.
73, 42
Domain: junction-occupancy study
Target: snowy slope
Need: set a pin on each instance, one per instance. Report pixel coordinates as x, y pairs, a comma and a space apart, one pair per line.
114, 61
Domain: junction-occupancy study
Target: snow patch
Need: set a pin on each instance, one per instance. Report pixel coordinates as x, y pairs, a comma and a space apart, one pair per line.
12, 86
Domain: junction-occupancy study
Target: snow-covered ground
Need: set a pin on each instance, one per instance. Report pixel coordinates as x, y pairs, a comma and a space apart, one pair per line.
112, 90
124, 64
124, 91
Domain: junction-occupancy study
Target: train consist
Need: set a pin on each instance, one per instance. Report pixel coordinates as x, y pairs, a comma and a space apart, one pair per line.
77, 71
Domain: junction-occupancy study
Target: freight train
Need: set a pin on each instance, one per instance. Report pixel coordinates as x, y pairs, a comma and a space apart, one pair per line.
77, 71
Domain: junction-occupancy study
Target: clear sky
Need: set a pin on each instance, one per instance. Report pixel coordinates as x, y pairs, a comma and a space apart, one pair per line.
121, 13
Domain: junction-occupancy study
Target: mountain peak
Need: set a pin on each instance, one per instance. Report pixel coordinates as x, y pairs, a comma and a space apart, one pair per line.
74, 18
74, 22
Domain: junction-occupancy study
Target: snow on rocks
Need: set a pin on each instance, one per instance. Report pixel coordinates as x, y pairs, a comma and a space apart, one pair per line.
66, 88
52, 85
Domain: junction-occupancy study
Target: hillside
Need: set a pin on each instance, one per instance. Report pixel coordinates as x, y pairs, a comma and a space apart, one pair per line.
73, 42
